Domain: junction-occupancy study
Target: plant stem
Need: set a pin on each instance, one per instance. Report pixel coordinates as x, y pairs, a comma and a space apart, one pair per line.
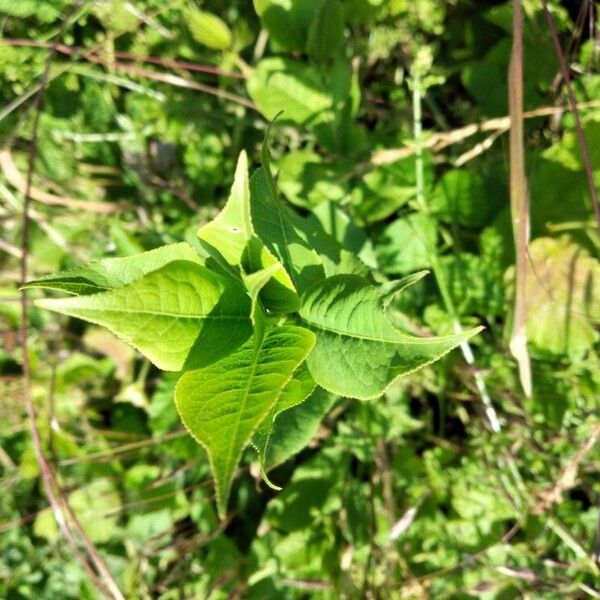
519, 201
465, 347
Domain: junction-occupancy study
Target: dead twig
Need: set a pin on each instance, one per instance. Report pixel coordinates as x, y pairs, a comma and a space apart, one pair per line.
178, 81
155, 60
439, 141
585, 151
568, 477
168, 78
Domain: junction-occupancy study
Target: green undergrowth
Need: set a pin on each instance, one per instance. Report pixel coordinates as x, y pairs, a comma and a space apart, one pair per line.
244, 353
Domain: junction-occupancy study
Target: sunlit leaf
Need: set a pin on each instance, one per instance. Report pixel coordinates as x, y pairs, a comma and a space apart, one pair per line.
359, 352
112, 273
181, 315
223, 404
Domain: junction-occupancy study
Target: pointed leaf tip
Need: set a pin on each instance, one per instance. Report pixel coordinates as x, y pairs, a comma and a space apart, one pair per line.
359, 352
223, 404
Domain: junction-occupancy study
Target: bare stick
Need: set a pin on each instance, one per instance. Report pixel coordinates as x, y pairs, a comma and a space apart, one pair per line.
440, 141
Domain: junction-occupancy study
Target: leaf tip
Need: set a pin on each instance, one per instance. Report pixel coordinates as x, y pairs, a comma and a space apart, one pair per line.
267, 481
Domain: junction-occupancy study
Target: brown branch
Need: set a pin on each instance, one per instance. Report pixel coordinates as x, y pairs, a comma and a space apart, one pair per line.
440, 141
64, 68
178, 81
585, 151
168, 78
155, 60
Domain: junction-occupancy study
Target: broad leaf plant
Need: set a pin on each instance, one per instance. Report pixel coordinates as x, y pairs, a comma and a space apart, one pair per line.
264, 311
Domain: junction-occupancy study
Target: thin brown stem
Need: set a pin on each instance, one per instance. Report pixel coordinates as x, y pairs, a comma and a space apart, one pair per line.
155, 60
58, 503
585, 151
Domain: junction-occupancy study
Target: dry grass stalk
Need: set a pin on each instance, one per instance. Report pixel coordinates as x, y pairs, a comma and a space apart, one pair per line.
519, 200
568, 478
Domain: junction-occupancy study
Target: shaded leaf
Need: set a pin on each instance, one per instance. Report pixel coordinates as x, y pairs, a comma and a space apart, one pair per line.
326, 32
295, 392
306, 180
294, 428
384, 189
288, 22
465, 197
388, 291
231, 236
406, 244
273, 225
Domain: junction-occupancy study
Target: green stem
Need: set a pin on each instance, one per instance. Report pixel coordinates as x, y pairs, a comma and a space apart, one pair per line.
434, 258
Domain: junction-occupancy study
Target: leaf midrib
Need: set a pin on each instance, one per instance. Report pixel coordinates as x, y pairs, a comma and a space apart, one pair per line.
405, 338
253, 367
163, 314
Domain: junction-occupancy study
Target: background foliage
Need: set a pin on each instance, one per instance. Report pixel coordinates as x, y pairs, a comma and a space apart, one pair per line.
148, 105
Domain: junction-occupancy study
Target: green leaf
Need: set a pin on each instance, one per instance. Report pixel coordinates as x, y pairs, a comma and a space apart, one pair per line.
306, 180
306, 250
255, 283
475, 281
326, 32
407, 244
295, 392
273, 225
43, 11
288, 22
359, 352
467, 198
208, 29
335, 222
294, 428
112, 273
180, 316
231, 231
489, 73
386, 188
332, 255
231, 236
564, 304
223, 404
280, 84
